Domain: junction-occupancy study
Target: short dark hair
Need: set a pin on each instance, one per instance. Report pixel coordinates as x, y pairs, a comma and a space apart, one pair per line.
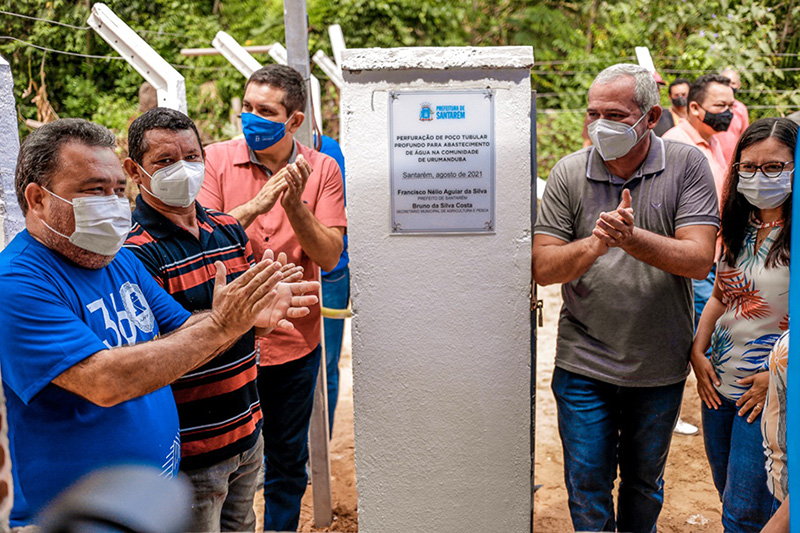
736, 210
160, 118
678, 81
39, 153
286, 78
697, 91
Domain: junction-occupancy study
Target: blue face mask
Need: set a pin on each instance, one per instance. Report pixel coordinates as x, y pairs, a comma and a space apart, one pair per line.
261, 133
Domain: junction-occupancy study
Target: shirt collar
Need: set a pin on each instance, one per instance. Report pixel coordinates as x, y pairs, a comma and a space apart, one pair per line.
252, 158
654, 163
159, 226
693, 134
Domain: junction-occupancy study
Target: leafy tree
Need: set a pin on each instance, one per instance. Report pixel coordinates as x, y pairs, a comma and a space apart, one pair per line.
572, 40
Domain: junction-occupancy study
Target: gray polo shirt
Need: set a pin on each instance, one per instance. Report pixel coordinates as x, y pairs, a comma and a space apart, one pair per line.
623, 321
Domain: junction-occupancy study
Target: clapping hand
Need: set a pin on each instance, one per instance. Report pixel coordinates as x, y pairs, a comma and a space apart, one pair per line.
615, 228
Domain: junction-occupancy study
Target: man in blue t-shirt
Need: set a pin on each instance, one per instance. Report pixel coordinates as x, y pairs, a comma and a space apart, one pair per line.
335, 295
85, 359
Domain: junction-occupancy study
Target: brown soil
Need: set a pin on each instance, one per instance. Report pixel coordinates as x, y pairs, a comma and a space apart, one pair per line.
690, 504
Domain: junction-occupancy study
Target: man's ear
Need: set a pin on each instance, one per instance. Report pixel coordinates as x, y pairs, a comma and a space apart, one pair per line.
132, 170
34, 196
655, 115
295, 122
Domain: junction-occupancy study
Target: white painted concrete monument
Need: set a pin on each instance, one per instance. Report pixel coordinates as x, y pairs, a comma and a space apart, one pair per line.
11, 219
441, 327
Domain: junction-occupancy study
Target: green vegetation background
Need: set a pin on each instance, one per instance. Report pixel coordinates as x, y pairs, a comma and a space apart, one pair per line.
572, 42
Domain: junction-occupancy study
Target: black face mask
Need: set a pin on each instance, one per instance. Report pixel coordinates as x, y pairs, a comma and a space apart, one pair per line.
718, 121
679, 101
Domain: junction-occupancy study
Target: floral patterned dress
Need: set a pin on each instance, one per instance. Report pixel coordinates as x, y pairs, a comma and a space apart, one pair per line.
756, 313
773, 421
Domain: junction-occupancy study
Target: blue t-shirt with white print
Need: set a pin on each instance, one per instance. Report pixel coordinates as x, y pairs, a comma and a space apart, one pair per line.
55, 314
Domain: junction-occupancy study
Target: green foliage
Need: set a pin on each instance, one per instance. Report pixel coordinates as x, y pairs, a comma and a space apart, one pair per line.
573, 41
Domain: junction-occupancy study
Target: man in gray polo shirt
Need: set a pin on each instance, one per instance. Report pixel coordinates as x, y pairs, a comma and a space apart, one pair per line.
624, 225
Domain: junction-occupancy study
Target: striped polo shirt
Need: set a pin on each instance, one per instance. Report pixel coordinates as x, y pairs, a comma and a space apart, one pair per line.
218, 406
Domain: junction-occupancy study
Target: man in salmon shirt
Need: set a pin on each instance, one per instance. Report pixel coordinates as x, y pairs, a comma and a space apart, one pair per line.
289, 198
709, 115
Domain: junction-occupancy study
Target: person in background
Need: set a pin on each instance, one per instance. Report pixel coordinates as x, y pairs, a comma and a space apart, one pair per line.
177, 240
90, 341
740, 121
773, 428
335, 295
622, 226
709, 112
747, 312
678, 92
289, 198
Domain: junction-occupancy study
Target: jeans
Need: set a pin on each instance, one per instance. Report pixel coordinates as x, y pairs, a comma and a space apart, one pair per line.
335, 294
736, 456
287, 397
603, 426
223, 493
702, 293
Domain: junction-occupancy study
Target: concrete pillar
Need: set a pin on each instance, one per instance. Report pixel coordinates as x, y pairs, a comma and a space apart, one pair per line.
11, 222
11, 219
441, 326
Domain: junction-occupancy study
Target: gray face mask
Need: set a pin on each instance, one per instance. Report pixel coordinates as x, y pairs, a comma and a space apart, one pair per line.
764, 192
102, 223
614, 139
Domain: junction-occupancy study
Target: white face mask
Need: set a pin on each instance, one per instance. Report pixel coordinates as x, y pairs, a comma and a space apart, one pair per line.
102, 223
764, 192
614, 139
178, 184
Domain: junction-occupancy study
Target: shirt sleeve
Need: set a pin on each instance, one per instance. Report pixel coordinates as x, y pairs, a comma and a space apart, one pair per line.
554, 217
42, 334
697, 204
210, 195
330, 205
169, 314
248, 248
148, 260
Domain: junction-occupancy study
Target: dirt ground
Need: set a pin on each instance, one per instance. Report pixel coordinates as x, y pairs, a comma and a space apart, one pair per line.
691, 503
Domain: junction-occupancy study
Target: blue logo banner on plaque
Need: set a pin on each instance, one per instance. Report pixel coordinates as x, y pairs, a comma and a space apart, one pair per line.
442, 161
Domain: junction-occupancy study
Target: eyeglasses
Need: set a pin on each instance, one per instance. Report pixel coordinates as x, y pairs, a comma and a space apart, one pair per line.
770, 170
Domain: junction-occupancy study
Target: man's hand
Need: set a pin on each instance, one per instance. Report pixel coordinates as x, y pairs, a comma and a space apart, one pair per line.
237, 305
291, 301
266, 198
297, 174
615, 228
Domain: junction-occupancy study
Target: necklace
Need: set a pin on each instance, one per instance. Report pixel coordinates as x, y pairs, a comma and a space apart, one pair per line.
764, 225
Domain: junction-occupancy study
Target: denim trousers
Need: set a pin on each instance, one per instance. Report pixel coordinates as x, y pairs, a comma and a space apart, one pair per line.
602, 427
287, 397
335, 295
702, 292
223, 493
735, 453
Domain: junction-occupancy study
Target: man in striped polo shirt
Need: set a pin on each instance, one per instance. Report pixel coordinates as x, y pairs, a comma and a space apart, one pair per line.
178, 241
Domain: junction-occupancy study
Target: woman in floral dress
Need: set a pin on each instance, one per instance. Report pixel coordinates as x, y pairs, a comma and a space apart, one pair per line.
747, 312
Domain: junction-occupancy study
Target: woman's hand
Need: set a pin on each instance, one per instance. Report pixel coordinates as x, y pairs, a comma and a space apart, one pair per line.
706, 379
753, 399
